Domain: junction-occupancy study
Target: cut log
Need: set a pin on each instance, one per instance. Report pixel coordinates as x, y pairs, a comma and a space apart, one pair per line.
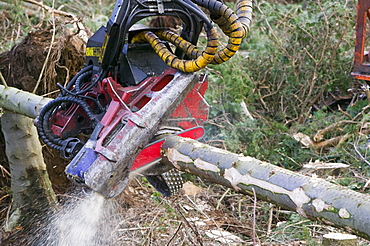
21, 102
312, 198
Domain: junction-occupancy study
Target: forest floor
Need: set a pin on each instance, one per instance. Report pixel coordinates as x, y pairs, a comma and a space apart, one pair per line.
202, 213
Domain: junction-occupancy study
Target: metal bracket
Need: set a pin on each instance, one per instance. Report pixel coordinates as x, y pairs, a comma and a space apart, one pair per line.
160, 6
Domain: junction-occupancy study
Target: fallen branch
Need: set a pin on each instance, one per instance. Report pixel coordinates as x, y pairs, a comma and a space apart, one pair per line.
320, 134
76, 20
52, 10
363, 111
319, 147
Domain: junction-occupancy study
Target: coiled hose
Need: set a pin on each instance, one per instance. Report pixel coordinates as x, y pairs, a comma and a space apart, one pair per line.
173, 61
235, 26
43, 124
229, 24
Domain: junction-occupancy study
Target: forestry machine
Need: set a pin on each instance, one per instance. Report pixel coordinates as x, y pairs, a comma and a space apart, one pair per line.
361, 66
139, 86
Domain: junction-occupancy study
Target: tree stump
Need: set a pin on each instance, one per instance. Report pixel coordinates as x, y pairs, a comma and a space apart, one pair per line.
31, 187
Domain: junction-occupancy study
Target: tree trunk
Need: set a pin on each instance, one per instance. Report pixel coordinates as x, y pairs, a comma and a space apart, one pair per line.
30, 184
312, 198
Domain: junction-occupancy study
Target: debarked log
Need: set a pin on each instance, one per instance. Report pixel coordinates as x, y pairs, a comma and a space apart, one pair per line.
311, 197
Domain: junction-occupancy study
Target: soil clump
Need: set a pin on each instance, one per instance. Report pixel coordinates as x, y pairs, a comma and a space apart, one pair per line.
21, 68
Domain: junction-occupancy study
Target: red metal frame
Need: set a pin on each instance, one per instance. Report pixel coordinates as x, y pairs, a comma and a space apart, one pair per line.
361, 68
152, 152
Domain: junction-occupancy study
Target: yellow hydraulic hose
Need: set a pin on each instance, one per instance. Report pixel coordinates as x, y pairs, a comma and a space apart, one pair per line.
234, 31
244, 12
244, 15
188, 48
189, 66
235, 26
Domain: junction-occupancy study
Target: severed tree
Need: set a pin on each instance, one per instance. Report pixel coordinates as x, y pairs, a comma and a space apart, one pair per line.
30, 184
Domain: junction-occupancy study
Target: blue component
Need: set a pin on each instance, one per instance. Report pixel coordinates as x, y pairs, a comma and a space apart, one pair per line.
77, 168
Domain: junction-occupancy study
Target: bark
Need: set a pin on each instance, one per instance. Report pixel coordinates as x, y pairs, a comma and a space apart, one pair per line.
312, 198
30, 184
21, 102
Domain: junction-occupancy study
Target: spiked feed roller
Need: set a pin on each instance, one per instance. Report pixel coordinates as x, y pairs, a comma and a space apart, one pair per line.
138, 87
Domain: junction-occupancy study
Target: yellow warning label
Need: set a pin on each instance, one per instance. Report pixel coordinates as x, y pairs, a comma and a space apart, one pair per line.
103, 47
93, 51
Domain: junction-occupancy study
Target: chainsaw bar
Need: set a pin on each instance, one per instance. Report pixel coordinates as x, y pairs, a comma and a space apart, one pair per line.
151, 154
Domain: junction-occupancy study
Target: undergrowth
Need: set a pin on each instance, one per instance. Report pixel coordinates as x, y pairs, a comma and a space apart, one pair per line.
17, 18
295, 57
292, 75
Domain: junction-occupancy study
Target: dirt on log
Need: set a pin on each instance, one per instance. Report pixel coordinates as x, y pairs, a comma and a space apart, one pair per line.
21, 68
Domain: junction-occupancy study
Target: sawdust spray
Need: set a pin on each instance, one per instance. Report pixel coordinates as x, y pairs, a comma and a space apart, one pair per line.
86, 221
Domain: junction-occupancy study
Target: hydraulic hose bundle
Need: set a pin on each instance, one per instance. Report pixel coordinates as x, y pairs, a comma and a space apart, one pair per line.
68, 147
235, 26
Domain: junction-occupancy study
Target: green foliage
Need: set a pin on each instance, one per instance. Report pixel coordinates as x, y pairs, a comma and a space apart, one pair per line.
16, 23
262, 141
231, 76
156, 197
295, 228
295, 53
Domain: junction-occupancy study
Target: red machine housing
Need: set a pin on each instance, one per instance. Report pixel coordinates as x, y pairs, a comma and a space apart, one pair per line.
188, 118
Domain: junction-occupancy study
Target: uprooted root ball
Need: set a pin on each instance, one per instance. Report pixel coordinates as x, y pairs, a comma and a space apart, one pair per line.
21, 68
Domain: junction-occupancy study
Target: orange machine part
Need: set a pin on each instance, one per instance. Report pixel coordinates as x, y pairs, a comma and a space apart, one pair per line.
361, 69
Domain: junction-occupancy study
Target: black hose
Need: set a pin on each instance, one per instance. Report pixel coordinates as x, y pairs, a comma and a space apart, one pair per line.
82, 79
197, 11
94, 82
43, 128
73, 80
